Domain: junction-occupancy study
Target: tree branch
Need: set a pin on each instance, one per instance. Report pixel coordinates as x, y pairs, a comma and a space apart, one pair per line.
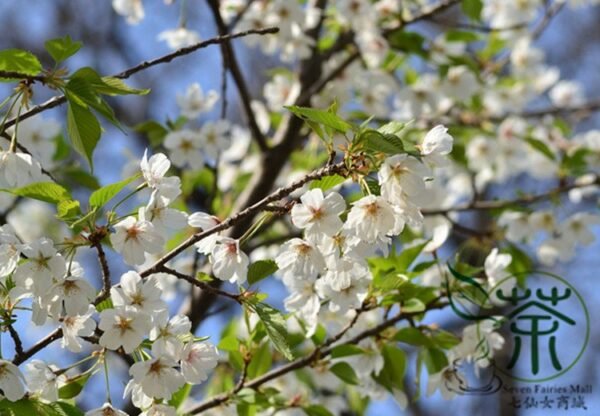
234, 67
338, 168
61, 99
498, 204
202, 285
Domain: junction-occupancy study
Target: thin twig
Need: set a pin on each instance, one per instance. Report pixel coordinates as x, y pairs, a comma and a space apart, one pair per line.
498, 204
40, 345
338, 168
61, 99
106, 283
20, 75
16, 339
202, 285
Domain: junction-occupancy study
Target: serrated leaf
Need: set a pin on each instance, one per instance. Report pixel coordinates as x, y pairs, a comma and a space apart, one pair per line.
378, 142
116, 86
344, 372
323, 117
275, 327
68, 209
327, 182
74, 386
102, 196
18, 60
83, 128
43, 191
62, 48
261, 269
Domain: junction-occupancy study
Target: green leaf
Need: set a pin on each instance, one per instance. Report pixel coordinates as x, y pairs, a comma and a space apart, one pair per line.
409, 42
378, 142
18, 60
83, 93
323, 117
83, 128
74, 386
316, 410
344, 372
116, 86
461, 36
100, 197
68, 209
393, 127
445, 339
373, 185
346, 350
105, 85
391, 375
180, 395
389, 282
261, 361
105, 304
155, 131
81, 177
413, 305
405, 259
541, 147
65, 409
43, 191
261, 269
435, 359
413, 336
62, 48
275, 326
327, 182
472, 8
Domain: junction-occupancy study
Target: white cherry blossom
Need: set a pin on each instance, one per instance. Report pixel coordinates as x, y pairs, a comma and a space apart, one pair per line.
11, 381
133, 238
318, 213
197, 360
229, 261
143, 295
123, 327
157, 377
194, 102
76, 327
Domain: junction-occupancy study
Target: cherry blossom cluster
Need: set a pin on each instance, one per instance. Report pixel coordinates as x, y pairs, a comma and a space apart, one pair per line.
329, 262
